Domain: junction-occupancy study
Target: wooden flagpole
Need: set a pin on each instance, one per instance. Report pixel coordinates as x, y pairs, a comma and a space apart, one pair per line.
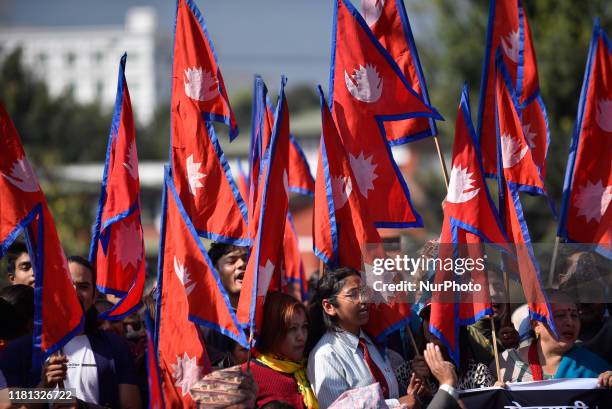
553, 262
442, 161
495, 348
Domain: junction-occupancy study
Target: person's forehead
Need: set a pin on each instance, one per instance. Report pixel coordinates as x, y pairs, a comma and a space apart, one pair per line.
80, 274
352, 282
235, 253
23, 258
563, 307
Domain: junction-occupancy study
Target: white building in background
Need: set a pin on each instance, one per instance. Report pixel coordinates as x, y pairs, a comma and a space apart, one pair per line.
84, 61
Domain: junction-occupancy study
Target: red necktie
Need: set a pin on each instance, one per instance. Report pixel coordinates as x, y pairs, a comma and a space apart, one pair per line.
374, 369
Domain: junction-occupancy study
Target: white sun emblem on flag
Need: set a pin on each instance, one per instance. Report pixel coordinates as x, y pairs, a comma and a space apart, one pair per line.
184, 276
365, 84
23, 176
132, 161
264, 277
593, 199
128, 246
510, 44
604, 114
194, 175
200, 84
371, 10
529, 136
461, 186
512, 152
363, 169
341, 190
186, 372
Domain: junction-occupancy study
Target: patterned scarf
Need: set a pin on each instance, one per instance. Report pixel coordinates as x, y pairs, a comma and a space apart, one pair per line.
297, 369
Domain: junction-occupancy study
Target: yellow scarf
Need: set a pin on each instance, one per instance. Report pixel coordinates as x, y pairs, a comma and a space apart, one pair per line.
298, 371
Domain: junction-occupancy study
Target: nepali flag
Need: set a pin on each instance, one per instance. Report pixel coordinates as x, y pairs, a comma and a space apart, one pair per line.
300, 178
389, 22
156, 396
513, 166
242, 181
509, 31
262, 121
470, 221
586, 214
367, 89
190, 292
263, 268
58, 315
518, 161
344, 235
293, 269
117, 247
201, 173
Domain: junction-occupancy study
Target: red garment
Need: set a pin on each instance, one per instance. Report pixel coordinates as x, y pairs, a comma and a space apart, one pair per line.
374, 369
275, 386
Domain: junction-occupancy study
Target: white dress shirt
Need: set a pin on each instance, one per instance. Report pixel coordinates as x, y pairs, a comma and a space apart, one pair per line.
336, 364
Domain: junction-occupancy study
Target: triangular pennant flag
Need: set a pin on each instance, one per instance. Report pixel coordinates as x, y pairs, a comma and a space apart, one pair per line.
156, 396
117, 247
58, 315
199, 166
586, 213
367, 88
470, 219
266, 254
508, 31
388, 21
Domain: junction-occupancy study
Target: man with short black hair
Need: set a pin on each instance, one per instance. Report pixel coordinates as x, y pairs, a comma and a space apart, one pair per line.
19, 267
230, 261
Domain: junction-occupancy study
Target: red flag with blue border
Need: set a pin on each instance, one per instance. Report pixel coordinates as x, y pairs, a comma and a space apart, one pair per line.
389, 22
117, 248
58, 315
586, 214
263, 268
470, 220
508, 30
367, 88
201, 173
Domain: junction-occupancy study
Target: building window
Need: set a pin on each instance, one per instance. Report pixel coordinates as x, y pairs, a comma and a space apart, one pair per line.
99, 89
70, 59
98, 56
42, 58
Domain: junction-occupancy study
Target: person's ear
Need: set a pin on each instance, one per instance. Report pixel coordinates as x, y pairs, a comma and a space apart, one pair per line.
328, 308
11, 277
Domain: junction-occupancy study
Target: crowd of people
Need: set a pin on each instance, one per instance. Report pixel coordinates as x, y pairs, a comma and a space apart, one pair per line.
313, 353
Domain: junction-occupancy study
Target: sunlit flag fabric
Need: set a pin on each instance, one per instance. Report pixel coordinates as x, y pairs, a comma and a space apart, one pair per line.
509, 31
344, 234
242, 181
388, 21
156, 397
263, 267
58, 314
292, 262
262, 122
366, 89
200, 170
586, 214
518, 161
183, 275
470, 219
117, 247
515, 168
300, 178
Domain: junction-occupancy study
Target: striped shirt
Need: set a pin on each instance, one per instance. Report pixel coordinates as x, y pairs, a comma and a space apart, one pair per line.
336, 364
